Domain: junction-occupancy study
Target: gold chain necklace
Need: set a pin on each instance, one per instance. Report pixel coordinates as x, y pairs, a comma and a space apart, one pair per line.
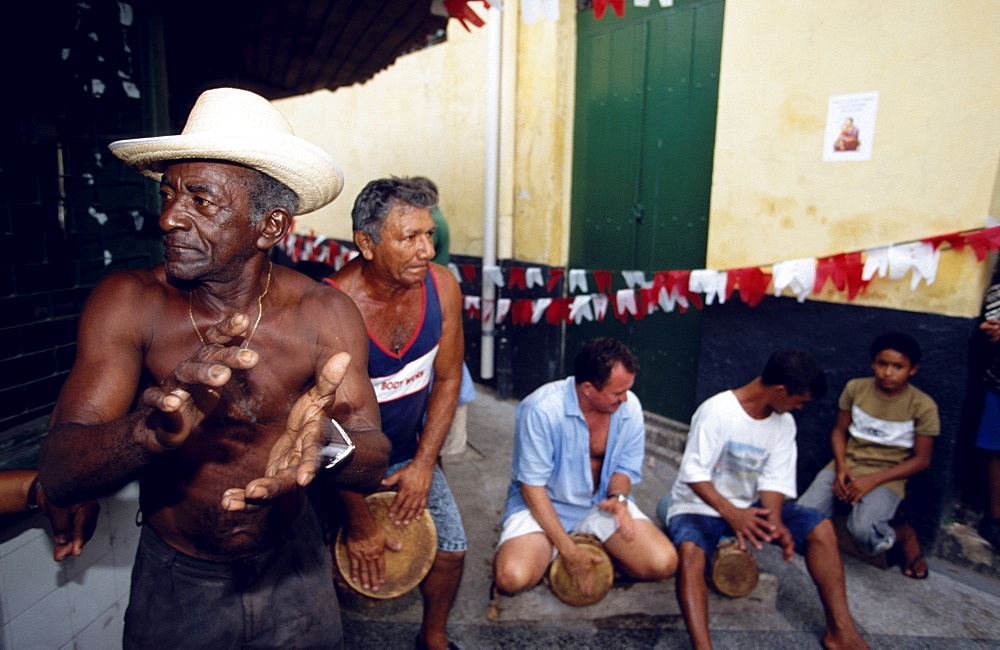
260, 310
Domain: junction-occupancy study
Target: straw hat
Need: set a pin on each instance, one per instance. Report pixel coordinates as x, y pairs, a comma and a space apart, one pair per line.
239, 126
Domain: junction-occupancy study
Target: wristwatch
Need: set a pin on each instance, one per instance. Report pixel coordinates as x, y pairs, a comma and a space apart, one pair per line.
338, 445
31, 500
618, 495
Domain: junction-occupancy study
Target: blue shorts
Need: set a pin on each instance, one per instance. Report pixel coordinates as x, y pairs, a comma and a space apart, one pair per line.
706, 530
444, 511
989, 427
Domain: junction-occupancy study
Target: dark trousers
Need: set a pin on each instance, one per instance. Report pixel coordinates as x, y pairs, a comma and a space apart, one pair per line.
283, 597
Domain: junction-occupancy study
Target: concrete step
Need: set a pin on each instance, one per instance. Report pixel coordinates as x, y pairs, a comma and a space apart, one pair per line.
627, 598
665, 440
961, 545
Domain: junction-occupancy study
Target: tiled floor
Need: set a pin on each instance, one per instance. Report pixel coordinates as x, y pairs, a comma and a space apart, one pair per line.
78, 603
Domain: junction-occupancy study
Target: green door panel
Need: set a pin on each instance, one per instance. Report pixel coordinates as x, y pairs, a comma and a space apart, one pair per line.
647, 92
611, 100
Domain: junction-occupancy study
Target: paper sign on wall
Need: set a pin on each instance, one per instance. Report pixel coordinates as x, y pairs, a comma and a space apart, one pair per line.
850, 127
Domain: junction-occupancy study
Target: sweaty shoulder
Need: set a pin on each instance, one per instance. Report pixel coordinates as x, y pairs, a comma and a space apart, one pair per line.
317, 298
322, 307
133, 294
134, 281
447, 285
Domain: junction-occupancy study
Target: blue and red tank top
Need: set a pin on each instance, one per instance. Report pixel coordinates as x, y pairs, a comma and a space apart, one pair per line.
402, 381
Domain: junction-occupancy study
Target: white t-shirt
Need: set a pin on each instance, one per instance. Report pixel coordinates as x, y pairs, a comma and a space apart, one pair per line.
740, 456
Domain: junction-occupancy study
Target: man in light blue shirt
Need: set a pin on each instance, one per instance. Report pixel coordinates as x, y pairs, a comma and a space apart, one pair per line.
578, 450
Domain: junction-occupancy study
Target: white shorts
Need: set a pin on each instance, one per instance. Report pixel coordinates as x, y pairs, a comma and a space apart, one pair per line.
599, 523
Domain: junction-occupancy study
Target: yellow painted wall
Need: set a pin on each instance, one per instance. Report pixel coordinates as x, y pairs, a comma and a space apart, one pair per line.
546, 76
423, 116
934, 166
426, 115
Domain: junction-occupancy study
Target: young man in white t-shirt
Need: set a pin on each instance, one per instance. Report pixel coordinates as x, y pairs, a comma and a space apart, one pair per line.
737, 471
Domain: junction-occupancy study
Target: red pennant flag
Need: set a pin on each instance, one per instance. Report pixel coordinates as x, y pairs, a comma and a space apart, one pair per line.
469, 272
752, 283
461, 10
555, 275
603, 281
622, 315
558, 311
853, 268
516, 278
600, 6
984, 241
679, 280
827, 268
520, 311
660, 281
955, 239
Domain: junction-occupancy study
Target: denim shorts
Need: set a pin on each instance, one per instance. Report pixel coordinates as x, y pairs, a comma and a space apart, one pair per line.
443, 509
989, 427
706, 530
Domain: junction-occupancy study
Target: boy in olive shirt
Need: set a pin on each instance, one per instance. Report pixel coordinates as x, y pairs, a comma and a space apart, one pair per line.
884, 434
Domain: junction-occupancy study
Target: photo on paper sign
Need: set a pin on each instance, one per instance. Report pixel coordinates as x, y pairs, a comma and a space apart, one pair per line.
850, 127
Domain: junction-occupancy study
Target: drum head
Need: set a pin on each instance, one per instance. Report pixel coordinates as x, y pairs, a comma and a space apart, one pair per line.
404, 569
734, 572
604, 575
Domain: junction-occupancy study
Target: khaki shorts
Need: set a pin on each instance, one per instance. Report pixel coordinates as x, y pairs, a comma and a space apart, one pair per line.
597, 522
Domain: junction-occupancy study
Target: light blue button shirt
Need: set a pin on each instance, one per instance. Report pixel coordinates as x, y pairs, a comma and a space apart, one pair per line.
552, 448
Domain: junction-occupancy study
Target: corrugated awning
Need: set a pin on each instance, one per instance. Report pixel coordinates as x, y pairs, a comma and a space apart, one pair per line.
280, 48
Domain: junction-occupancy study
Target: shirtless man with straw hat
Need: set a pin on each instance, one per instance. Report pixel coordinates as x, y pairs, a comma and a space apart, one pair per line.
212, 379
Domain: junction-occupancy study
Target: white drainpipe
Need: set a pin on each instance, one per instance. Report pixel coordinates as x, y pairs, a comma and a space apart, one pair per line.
494, 22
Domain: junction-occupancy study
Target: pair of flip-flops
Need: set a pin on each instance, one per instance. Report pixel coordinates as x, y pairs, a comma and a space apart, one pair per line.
911, 567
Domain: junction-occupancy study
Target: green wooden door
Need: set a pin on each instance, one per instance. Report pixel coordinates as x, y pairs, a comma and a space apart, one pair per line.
647, 91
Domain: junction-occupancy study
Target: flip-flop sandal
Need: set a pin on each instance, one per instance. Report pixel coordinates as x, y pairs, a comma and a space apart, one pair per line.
913, 571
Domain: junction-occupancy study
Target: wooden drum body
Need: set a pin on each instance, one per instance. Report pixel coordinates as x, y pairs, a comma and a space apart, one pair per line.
561, 582
404, 569
734, 571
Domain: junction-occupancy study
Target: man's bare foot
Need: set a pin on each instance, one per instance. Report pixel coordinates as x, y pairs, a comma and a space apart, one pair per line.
914, 565
847, 640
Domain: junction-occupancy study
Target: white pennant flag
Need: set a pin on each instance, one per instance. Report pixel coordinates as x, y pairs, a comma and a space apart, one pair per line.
471, 301
600, 301
538, 308
634, 278
625, 299
454, 271
580, 310
876, 261
530, 10
533, 276
709, 282
798, 275
493, 274
578, 280
503, 307
920, 257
